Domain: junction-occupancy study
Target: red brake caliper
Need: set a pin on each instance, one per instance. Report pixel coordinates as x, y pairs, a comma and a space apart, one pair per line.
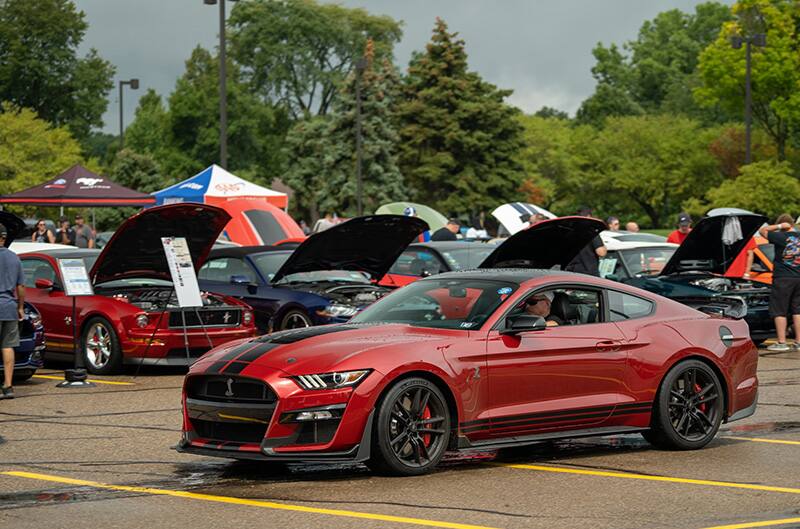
701, 407
426, 414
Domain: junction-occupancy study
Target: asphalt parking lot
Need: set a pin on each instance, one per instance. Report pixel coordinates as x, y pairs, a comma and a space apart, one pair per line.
102, 456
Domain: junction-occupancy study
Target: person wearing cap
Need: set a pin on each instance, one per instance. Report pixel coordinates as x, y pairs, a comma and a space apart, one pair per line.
448, 232
84, 237
12, 299
65, 234
539, 305
784, 298
684, 228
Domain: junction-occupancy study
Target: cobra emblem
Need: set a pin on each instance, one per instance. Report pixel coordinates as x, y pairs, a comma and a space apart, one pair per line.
229, 393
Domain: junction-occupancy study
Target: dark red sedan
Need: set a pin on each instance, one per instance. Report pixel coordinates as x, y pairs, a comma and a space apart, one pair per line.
475, 359
133, 316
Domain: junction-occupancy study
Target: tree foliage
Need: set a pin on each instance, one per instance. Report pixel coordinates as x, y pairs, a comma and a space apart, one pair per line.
135, 171
40, 68
766, 187
459, 140
297, 52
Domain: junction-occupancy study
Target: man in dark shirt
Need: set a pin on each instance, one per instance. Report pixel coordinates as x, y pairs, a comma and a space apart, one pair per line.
448, 232
588, 259
784, 297
65, 234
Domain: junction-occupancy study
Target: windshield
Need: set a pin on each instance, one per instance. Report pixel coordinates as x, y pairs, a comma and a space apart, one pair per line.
318, 276
467, 258
646, 261
268, 263
440, 303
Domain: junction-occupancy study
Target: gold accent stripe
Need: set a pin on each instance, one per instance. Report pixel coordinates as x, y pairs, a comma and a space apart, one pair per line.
767, 523
110, 382
762, 440
250, 503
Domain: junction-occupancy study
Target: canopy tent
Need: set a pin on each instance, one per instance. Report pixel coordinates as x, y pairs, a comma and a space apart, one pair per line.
434, 219
78, 186
214, 185
510, 215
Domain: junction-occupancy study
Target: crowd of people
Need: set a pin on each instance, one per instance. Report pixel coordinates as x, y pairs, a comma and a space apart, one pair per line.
80, 234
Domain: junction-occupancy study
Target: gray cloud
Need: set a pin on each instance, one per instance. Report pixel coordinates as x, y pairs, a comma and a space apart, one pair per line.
540, 49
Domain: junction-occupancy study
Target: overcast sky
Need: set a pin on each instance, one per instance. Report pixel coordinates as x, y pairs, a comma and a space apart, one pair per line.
541, 49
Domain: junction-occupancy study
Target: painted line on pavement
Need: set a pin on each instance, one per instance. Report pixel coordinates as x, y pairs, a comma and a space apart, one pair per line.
111, 382
747, 525
645, 477
241, 501
762, 440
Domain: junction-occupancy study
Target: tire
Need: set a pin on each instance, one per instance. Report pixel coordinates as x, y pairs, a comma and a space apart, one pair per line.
294, 319
22, 376
411, 429
102, 354
688, 409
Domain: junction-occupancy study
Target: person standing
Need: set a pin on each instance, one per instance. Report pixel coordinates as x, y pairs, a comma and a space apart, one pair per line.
588, 259
632, 227
684, 228
612, 223
11, 310
84, 237
65, 234
784, 298
42, 234
447, 232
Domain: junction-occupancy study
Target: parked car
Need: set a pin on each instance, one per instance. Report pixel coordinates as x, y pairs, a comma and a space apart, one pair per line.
455, 362
634, 254
694, 273
28, 354
327, 278
133, 316
431, 258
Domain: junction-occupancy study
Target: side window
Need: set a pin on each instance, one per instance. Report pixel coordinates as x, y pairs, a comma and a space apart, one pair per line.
222, 269
37, 269
417, 262
564, 306
626, 307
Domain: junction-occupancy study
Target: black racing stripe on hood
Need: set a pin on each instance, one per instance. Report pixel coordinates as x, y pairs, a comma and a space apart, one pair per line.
216, 367
256, 353
295, 335
234, 368
237, 351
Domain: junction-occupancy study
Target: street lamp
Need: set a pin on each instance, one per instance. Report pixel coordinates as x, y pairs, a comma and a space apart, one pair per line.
361, 65
749, 40
223, 91
134, 84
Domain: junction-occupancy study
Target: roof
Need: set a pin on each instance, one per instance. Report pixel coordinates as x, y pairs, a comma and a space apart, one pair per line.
70, 253
516, 275
242, 251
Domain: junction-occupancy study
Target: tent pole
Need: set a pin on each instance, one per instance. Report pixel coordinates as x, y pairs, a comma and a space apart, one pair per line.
61, 211
94, 225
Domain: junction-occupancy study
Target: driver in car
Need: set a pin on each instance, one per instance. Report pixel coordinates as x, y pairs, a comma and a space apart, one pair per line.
539, 305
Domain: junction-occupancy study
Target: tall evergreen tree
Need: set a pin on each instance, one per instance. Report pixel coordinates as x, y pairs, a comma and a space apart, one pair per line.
459, 140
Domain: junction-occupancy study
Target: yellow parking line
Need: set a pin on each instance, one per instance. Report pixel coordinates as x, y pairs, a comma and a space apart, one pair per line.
767, 523
241, 501
111, 382
761, 440
645, 477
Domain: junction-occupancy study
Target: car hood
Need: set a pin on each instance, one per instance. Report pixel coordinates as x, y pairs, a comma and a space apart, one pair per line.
365, 244
135, 249
704, 243
546, 244
324, 348
13, 224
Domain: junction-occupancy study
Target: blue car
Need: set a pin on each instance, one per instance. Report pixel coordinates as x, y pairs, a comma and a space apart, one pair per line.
28, 356
328, 278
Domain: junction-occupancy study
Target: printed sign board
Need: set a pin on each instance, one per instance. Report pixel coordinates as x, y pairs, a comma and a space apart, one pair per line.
76, 280
182, 270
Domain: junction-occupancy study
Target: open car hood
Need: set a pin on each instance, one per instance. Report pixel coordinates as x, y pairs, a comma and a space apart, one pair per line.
135, 249
365, 244
703, 249
546, 244
14, 225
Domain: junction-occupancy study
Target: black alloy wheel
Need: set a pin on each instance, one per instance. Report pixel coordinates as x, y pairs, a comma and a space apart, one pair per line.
689, 408
412, 429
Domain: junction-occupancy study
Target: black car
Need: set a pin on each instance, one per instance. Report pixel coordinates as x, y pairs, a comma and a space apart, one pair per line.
694, 274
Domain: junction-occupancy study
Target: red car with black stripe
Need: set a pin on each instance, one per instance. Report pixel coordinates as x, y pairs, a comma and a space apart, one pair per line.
466, 360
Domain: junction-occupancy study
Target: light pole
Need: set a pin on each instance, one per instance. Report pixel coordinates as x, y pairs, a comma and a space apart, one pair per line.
134, 84
223, 91
757, 39
361, 65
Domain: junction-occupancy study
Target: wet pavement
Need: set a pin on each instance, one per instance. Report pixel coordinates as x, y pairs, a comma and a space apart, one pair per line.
103, 456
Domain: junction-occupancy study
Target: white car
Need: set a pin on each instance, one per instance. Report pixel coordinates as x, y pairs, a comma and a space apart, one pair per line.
20, 247
634, 254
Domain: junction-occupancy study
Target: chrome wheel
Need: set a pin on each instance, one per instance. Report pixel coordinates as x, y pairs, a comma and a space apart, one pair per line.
295, 320
98, 346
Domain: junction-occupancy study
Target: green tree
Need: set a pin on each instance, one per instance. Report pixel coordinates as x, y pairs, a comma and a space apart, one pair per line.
775, 67
148, 133
459, 140
306, 146
40, 68
133, 170
766, 187
297, 52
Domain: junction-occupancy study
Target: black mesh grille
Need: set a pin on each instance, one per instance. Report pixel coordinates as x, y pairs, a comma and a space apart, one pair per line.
228, 431
209, 318
220, 388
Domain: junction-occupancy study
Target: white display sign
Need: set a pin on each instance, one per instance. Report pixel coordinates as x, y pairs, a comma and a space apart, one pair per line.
76, 280
182, 270
607, 266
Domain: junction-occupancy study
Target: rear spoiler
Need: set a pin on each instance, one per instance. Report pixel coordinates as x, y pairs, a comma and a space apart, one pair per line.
732, 307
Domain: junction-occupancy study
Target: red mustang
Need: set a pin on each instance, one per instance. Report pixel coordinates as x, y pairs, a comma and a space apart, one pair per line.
133, 316
488, 358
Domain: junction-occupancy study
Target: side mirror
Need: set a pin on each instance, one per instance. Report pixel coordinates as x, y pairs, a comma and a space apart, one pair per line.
239, 280
44, 284
524, 323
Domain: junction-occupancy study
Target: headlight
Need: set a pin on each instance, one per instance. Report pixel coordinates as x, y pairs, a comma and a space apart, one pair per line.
247, 317
337, 310
331, 380
33, 316
142, 320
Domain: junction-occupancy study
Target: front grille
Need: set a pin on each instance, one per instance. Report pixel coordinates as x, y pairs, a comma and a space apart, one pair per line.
230, 389
205, 318
228, 431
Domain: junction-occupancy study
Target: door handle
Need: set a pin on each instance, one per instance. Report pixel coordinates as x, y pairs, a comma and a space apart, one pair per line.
607, 345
